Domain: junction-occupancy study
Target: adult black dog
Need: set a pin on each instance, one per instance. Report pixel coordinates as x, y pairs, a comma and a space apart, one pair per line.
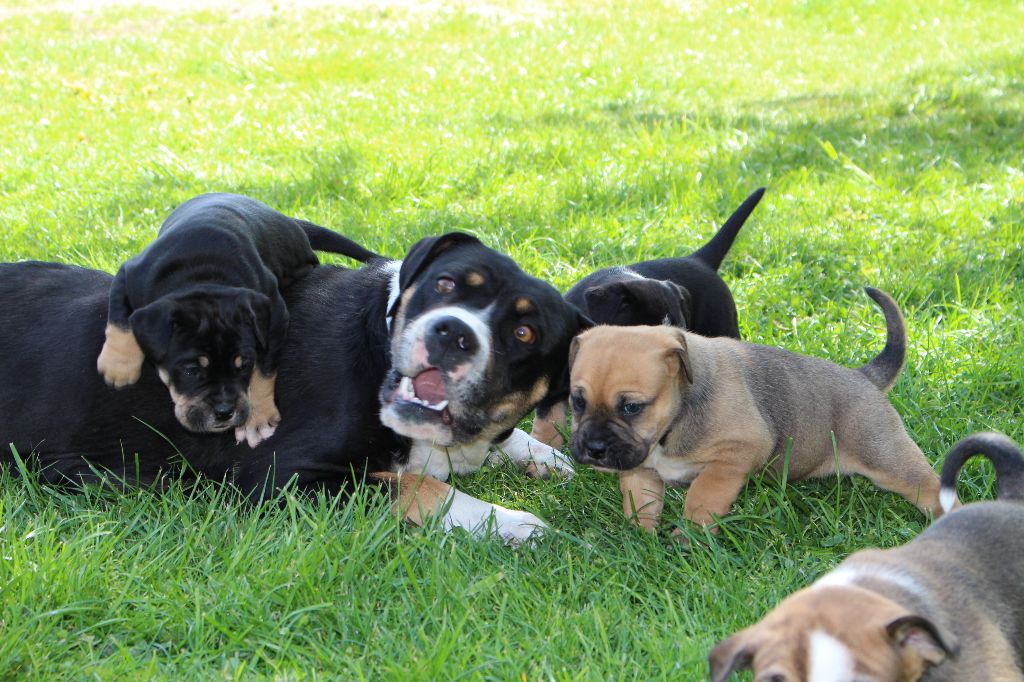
203, 303
474, 343
683, 292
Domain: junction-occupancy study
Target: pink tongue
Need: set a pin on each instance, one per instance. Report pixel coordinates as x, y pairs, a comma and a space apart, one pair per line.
429, 386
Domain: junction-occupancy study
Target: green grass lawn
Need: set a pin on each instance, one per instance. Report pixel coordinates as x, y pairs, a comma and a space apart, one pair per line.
571, 135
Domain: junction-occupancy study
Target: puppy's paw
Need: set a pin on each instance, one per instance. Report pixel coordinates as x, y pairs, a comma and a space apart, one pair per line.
559, 465
518, 527
259, 427
119, 364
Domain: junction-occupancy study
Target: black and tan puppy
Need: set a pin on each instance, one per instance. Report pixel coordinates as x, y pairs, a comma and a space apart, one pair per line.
683, 292
665, 406
946, 607
203, 303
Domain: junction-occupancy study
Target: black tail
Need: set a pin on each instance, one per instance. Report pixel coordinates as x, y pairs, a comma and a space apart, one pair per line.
322, 239
1000, 450
713, 253
886, 367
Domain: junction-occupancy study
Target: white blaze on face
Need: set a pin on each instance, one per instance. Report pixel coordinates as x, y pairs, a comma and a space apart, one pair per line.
828, 659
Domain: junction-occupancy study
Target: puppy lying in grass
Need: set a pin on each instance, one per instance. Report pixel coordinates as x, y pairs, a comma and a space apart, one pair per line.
203, 303
662, 405
946, 607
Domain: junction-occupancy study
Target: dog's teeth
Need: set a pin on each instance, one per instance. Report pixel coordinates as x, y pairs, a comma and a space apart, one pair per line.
438, 406
405, 389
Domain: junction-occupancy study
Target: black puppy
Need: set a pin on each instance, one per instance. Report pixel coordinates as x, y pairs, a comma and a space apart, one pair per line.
339, 363
683, 292
202, 302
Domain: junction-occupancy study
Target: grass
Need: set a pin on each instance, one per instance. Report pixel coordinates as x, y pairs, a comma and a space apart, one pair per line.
571, 135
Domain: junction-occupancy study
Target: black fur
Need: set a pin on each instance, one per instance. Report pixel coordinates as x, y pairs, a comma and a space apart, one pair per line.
1005, 456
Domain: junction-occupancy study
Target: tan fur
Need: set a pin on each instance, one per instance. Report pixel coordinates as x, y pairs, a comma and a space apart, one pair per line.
524, 305
120, 360
475, 279
262, 409
416, 498
733, 438
643, 497
505, 412
204, 361
182, 403
546, 430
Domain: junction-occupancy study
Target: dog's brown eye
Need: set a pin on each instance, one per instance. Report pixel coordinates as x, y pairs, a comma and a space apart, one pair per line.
632, 409
524, 333
578, 404
445, 285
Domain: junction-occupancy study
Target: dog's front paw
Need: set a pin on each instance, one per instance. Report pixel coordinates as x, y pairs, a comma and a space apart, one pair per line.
518, 527
559, 465
120, 360
259, 427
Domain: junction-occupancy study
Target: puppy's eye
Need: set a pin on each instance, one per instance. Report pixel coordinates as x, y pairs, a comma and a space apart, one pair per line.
445, 285
578, 403
191, 370
632, 409
524, 333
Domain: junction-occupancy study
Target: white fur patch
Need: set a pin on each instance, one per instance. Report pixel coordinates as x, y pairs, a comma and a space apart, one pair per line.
673, 470
416, 331
844, 576
426, 458
947, 498
522, 448
394, 267
828, 659
479, 517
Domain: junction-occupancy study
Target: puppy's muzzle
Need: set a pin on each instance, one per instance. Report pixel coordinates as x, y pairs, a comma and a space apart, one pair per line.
451, 341
602, 448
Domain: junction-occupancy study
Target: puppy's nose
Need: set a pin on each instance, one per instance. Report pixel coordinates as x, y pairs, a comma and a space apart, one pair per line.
452, 336
223, 411
595, 448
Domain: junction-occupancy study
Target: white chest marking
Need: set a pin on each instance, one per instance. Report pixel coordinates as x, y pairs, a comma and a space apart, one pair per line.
828, 659
439, 461
395, 267
673, 470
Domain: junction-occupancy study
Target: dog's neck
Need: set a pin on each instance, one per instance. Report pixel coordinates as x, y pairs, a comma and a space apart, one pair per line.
689, 419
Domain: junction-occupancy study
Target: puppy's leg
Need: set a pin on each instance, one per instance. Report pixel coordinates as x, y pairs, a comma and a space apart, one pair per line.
120, 360
263, 414
643, 497
417, 498
540, 459
713, 492
897, 465
546, 425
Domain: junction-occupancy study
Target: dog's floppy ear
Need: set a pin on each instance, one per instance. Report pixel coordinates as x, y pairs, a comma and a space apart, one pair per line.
679, 353
730, 655
424, 252
918, 638
153, 327
574, 348
677, 302
256, 309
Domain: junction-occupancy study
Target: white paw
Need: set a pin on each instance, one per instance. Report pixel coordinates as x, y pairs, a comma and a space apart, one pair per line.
518, 527
559, 465
254, 434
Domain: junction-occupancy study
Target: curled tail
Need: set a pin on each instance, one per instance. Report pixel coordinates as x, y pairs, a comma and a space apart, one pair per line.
886, 367
713, 253
322, 239
1005, 456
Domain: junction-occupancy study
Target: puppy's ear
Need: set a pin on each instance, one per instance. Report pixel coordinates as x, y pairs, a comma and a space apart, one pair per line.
425, 251
153, 327
730, 655
256, 309
574, 348
604, 301
679, 353
677, 302
918, 638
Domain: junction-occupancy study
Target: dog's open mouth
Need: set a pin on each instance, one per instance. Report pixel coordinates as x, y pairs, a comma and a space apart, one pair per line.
426, 390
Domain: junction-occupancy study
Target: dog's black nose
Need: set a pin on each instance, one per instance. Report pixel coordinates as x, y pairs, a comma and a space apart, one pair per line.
223, 412
452, 335
595, 448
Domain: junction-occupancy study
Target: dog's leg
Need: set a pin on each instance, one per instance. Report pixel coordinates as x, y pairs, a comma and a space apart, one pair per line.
263, 414
120, 360
549, 424
713, 492
417, 498
643, 497
899, 466
539, 459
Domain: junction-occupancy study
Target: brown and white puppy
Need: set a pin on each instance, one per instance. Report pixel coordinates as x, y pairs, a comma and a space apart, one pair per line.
666, 406
946, 607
